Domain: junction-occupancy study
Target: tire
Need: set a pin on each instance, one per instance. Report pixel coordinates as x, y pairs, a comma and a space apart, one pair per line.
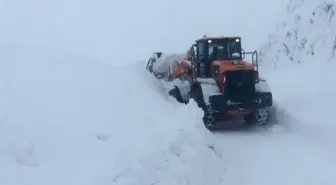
258, 117
197, 95
209, 120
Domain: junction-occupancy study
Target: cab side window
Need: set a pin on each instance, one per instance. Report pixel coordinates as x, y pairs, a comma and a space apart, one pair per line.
210, 49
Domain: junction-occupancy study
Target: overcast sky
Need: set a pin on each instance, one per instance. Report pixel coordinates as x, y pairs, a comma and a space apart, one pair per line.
127, 31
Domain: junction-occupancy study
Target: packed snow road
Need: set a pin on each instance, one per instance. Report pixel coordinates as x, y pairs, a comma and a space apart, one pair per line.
275, 158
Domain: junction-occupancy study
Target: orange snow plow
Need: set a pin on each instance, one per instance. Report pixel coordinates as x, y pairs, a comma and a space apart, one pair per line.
222, 82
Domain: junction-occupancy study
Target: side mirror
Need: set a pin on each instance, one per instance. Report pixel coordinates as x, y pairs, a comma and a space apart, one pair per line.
235, 56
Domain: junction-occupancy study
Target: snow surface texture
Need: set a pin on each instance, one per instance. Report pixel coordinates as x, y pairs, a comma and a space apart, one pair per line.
300, 149
307, 35
299, 63
68, 120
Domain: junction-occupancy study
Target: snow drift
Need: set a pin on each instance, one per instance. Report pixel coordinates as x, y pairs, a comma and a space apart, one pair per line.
300, 64
71, 120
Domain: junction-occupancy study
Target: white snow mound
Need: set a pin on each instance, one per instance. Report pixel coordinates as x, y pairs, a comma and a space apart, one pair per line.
71, 120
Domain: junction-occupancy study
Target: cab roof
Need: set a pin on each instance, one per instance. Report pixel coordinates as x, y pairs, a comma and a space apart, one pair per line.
217, 38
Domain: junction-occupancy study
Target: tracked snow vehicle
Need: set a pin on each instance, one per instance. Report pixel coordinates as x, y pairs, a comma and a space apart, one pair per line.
216, 75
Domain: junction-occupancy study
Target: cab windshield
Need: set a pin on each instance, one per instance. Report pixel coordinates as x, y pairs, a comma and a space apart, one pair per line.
222, 49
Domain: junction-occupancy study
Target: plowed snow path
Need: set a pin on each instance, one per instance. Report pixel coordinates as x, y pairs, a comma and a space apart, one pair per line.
275, 158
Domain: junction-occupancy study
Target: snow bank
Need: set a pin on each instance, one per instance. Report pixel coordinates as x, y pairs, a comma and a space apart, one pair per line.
299, 63
309, 95
72, 120
300, 56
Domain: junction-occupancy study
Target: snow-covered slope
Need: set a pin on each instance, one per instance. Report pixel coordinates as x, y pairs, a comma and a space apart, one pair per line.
71, 120
300, 64
301, 56
307, 35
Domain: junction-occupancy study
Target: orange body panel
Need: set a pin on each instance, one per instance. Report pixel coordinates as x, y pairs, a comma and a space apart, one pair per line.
183, 67
181, 70
226, 65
